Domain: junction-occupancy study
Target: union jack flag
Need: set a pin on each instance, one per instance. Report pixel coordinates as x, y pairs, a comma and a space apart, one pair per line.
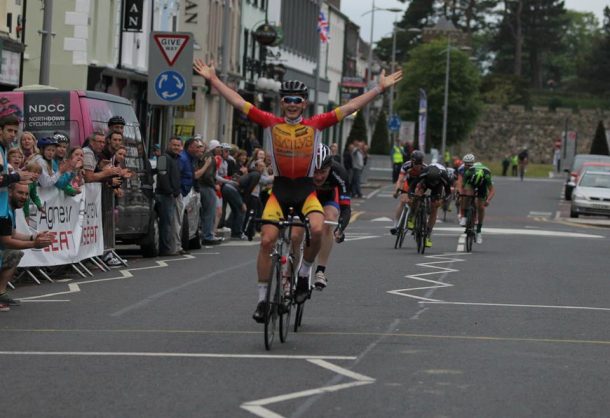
323, 27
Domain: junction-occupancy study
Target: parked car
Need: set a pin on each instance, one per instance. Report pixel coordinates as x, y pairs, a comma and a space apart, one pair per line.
594, 166
44, 110
572, 177
191, 221
591, 195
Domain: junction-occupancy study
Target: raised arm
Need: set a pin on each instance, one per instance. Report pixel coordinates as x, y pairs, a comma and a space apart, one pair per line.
359, 102
209, 73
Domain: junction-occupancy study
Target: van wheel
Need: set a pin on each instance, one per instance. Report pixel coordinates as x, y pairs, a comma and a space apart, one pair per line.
195, 243
150, 247
184, 236
573, 214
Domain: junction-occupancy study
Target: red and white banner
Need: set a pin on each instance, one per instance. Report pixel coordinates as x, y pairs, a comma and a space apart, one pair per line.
76, 222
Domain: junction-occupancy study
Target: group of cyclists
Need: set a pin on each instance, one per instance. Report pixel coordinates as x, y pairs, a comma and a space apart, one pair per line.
311, 183
471, 180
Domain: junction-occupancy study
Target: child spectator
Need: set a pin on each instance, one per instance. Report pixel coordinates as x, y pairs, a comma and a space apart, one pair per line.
15, 160
33, 197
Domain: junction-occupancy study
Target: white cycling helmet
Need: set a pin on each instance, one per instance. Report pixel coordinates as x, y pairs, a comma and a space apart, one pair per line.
323, 157
468, 159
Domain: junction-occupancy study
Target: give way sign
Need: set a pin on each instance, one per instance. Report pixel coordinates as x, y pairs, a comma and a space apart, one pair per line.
170, 68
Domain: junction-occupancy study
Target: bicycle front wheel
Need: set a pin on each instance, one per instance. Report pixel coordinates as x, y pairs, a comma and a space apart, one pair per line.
401, 230
286, 301
272, 299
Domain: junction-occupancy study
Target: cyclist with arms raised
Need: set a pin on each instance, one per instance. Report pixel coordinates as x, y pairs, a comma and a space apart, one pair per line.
291, 141
332, 189
409, 171
473, 176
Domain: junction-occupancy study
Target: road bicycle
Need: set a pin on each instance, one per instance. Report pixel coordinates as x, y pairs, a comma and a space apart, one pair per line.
470, 213
421, 214
281, 287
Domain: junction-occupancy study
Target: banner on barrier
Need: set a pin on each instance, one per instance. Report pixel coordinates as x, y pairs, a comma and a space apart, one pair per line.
76, 223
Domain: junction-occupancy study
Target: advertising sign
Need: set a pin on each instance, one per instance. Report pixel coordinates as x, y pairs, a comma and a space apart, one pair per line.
132, 15
76, 224
423, 119
48, 110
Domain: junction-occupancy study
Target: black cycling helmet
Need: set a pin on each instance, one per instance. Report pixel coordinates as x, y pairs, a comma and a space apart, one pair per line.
324, 157
116, 120
294, 87
417, 157
433, 175
61, 138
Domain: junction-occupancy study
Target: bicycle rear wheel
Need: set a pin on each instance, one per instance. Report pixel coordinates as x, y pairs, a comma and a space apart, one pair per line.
272, 299
469, 229
424, 225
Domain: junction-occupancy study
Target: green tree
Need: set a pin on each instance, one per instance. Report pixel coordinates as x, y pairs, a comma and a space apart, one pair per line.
600, 143
380, 143
596, 67
358, 130
426, 70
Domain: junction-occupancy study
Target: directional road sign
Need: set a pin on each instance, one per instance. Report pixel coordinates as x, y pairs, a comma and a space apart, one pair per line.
170, 68
394, 123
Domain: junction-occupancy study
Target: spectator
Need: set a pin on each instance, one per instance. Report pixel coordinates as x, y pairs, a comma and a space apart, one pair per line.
119, 161
230, 193
334, 150
514, 165
252, 143
189, 157
167, 192
27, 145
207, 190
114, 140
398, 158
258, 154
9, 126
63, 145
156, 153
95, 168
523, 159
76, 157
12, 243
505, 165
51, 171
357, 168
33, 196
116, 124
347, 159
15, 159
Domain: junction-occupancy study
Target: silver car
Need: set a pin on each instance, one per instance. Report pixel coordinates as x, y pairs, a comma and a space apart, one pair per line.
591, 196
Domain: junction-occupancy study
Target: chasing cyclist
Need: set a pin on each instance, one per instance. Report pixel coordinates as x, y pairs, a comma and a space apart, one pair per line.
475, 176
291, 141
332, 189
435, 178
409, 171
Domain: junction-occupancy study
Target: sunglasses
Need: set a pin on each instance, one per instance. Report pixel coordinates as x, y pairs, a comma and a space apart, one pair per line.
292, 99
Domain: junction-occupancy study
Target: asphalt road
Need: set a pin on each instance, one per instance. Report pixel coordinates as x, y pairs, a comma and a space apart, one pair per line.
517, 328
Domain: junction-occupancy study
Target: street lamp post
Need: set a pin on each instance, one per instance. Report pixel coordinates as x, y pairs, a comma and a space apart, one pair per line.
446, 101
369, 77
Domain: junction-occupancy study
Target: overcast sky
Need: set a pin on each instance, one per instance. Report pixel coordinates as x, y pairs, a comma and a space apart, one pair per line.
383, 20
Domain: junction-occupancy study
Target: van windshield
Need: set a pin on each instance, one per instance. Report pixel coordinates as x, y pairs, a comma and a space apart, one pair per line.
102, 110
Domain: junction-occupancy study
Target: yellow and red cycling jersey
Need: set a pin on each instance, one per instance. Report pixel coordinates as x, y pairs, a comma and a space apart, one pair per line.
292, 146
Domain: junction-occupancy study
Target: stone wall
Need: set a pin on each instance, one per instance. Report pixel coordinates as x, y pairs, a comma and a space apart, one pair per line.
501, 132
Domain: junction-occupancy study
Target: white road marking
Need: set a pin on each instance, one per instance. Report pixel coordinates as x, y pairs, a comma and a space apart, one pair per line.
382, 219
433, 284
360, 238
372, 194
516, 305
46, 300
537, 214
461, 243
522, 231
160, 354
257, 407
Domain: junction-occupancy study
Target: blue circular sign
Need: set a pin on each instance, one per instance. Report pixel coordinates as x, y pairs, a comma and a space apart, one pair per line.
170, 85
